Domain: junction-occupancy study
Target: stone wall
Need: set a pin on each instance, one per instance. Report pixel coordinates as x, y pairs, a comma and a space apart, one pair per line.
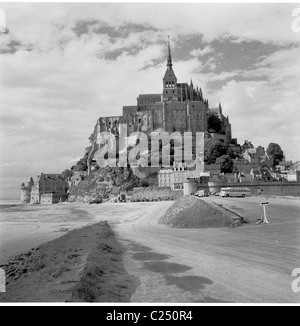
283, 188
155, 194
48, 199
189, 187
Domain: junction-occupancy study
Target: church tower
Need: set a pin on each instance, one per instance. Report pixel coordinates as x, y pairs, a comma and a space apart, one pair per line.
170, 80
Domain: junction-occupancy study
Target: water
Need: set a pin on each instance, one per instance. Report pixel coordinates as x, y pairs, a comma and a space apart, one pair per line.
9, 202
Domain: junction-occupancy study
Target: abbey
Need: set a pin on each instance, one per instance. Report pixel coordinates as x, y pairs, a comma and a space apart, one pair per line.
180, 107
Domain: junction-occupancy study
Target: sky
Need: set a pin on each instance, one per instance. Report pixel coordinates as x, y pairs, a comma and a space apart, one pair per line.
63, 65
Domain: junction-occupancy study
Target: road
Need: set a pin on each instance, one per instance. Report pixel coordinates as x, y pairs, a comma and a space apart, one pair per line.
251, 263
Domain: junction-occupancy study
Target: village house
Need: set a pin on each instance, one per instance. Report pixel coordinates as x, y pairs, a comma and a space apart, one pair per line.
45, 189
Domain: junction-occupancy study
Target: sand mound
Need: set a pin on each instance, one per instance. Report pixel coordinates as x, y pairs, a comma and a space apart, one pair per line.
191, 212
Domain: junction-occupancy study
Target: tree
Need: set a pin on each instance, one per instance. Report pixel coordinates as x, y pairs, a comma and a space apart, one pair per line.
214, 123
231, 153
67, 174
276, 152
214, 150
81, 165
227, 164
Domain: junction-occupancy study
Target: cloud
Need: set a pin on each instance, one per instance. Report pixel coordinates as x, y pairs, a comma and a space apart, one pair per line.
50, 101
202, 52
267, 110
64, 65
44, 24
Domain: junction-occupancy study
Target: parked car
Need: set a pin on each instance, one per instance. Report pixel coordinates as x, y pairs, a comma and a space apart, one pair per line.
200, 193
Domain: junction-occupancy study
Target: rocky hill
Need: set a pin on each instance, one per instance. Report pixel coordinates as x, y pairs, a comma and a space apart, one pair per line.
100, 183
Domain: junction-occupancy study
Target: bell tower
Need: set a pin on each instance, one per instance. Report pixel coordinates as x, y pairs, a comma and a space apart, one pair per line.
170, 80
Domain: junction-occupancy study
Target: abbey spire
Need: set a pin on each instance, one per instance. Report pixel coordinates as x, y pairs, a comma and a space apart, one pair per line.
169, 80
169, 62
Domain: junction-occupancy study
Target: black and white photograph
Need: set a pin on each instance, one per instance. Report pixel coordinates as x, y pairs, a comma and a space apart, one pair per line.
149, 155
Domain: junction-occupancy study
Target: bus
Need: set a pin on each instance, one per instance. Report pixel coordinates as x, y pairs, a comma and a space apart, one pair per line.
235, 192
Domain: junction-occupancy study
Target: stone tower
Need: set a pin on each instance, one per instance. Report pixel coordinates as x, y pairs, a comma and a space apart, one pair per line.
169, 80
26, 191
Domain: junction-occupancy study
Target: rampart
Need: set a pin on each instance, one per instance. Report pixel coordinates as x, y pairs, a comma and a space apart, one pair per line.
155, 194
279, 188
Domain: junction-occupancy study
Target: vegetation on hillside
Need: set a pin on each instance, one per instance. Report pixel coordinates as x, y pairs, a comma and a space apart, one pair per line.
275, 151
214, 124
213, 150
226, 165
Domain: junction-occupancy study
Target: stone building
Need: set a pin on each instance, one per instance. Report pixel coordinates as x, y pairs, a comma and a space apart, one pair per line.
50, 198
257, 156
175, 178
179, 175
166, 178
46, 188
180, 107
261, 174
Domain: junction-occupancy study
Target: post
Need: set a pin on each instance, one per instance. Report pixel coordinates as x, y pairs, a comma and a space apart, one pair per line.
263, 219
265, 215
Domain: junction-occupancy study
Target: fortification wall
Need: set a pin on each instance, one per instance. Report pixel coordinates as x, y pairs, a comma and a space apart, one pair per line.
155, 194
189, 187
283, 188
35, 197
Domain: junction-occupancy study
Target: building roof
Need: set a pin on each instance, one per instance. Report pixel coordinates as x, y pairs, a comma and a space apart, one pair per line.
54, 177
143, 96
166, 170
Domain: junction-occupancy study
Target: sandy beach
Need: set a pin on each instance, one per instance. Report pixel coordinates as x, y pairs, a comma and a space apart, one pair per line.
27, 226
156, 262
24, 227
